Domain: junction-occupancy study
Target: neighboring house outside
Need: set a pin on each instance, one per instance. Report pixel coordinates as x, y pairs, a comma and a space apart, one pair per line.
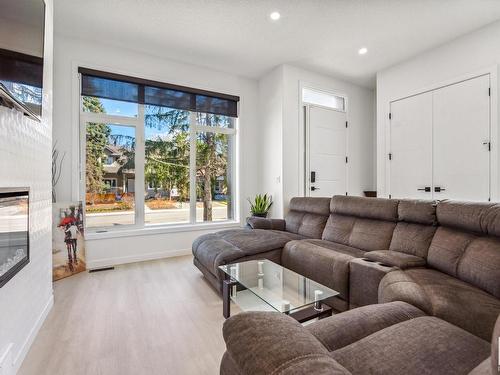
117, 178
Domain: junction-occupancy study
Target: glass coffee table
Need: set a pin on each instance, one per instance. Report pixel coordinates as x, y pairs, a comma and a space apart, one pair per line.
263, 285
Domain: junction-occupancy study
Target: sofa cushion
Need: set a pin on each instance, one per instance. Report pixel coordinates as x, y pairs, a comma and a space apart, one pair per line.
413, 239
495, 350
424, 345
215, 249
322, 261
472, 258
368, 208
344, 329
446, 249
480, 264
273, 343
482, 218
443, 296
307, 216
365, 234
417, 211
395, 258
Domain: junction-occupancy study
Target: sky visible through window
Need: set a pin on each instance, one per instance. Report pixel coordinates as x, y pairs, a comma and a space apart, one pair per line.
119, 108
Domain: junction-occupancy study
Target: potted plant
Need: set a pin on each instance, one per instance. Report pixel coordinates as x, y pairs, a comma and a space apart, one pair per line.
260, 205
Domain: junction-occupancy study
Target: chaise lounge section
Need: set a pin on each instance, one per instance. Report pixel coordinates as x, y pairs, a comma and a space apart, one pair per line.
264, 239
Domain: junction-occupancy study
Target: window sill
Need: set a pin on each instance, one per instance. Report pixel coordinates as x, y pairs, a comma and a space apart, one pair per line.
100, 234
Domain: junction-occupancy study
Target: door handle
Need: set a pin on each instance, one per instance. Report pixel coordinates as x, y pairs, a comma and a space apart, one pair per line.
438, 189
314, 188
427, 189
313, 177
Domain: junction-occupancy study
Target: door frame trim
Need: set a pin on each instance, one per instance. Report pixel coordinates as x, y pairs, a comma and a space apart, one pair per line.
494, 124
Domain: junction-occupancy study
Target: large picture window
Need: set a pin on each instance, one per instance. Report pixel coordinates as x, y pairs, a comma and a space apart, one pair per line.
155, 154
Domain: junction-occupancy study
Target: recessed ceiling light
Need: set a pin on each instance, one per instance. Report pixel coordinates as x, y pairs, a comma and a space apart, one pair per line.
275, 16
363, 50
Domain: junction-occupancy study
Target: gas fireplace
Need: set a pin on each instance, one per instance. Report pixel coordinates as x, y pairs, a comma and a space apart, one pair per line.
14, 232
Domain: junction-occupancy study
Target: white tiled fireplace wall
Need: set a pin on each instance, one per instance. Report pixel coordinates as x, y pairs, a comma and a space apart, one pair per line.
25, 161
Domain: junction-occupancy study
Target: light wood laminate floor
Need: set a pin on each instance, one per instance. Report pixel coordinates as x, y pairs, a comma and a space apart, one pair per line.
158, 317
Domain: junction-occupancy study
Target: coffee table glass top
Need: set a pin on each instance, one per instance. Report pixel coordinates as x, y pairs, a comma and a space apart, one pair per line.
280, 288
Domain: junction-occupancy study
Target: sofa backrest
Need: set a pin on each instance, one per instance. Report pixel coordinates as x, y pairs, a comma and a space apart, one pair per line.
415, 228
307, 216
364, 223
466, 244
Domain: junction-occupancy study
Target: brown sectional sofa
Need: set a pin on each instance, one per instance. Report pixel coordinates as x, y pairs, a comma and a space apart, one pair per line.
388, 339
428, 272
461, 283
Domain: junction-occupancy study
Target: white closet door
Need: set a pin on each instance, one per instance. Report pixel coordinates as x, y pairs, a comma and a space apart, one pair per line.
411, 147
461, 136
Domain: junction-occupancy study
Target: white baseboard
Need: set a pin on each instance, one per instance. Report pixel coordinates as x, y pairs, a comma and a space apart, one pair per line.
25, 347
6, 361
109, 262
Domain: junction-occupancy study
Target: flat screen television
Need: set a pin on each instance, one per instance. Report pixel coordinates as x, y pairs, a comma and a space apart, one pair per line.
21, 55
14, 232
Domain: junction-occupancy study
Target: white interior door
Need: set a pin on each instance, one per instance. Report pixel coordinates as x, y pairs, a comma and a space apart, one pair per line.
326, 152
461, 136
410, 172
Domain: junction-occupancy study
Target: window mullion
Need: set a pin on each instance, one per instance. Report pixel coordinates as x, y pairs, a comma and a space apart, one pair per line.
139, 169
192, 167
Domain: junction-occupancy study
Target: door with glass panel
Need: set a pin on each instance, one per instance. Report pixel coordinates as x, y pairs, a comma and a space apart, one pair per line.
326, 129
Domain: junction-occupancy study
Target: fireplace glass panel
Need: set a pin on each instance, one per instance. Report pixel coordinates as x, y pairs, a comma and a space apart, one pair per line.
14, 233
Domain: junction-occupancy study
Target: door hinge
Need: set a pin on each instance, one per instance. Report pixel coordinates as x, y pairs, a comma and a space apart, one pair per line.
390, 115
390, 156
346, 160
489, 91
346, 124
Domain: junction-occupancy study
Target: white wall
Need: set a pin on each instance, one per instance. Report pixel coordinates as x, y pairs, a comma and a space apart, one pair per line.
281, 119
19, 37
270, 145
467, 54
25, 160
69, 53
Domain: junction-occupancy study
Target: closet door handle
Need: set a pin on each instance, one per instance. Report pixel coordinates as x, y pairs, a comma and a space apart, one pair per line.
427, 189
438, 189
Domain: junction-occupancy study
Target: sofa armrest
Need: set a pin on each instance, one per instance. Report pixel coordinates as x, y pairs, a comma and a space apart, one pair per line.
266, 342
364, 277
350, 326
399, 286
256, 222
396, 259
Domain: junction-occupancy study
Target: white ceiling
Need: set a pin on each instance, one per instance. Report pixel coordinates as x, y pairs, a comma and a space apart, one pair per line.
237, 36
